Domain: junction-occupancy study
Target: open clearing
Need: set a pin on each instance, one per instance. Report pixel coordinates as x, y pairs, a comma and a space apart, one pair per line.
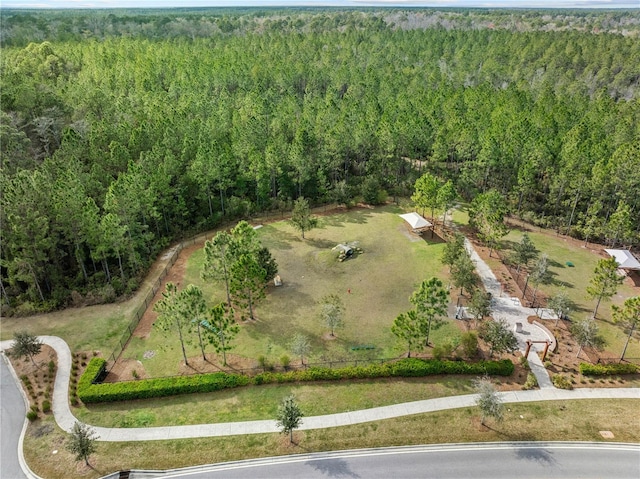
374, 286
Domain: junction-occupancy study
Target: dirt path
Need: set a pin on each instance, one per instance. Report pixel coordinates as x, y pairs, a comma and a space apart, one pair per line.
175, 275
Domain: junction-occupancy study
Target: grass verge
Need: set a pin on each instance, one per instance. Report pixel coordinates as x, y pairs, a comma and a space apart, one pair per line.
261, 402
549, 421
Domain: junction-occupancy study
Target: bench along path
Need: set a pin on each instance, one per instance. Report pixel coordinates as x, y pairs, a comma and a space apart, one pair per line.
65, 419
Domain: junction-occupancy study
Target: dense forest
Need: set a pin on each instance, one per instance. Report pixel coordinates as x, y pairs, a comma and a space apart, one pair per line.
113, 144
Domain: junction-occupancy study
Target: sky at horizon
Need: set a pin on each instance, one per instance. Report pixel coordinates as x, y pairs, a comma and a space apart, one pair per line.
635, 4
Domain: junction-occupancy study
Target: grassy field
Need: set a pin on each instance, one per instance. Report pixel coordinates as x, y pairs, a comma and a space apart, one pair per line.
261, 402
375, 287
96, 328
547, 421
575, 281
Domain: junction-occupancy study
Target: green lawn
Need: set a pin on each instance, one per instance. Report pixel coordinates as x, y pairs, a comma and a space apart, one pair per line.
380, 282
261, 402
575, 280
96, 328
546, 421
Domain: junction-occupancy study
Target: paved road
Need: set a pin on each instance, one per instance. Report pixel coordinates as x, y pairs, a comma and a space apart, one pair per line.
490, 461
12, 417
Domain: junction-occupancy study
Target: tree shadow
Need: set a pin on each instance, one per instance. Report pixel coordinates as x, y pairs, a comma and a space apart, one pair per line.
321, 243
508, 244
555, 264
538, 455
436, 239
333, 468
277, 239
359, 216
563, 284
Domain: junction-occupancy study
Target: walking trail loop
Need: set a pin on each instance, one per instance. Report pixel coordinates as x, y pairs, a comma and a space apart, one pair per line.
65, 418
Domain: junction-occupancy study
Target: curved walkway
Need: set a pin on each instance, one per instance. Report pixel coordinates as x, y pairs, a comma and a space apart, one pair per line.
65, 418
511, 310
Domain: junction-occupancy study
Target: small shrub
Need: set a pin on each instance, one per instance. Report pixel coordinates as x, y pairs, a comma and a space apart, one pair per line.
32, 416
265, 364
438, 352
531, 382
285, 361
46, 406
548, 364
608, 369
445, 350
524, 362
562, 382
135, 374
469, 342
52, 367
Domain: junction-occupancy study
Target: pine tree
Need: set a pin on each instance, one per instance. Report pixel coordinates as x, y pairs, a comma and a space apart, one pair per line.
605, 281
430, 301
26, 344
82, 442
629, 316
301, 218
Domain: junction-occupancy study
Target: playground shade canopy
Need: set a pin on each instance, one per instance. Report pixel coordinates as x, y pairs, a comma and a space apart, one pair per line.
624, 258
416, 221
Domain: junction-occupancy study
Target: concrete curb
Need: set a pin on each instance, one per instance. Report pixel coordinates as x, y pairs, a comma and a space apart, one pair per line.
23, 464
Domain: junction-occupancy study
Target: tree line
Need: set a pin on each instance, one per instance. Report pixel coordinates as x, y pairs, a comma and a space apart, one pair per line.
111, 149
22, 26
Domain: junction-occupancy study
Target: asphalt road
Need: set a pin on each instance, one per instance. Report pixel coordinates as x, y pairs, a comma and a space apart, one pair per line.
12, 414
477, 461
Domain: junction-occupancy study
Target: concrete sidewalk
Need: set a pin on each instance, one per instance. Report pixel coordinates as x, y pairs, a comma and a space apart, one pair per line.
511, 310
65, 418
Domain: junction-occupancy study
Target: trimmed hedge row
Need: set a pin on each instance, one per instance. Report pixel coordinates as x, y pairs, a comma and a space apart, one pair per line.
608, 369
89, 392
410, 367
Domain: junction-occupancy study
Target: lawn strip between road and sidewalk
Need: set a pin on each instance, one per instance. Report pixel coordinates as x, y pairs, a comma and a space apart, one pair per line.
580, 420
